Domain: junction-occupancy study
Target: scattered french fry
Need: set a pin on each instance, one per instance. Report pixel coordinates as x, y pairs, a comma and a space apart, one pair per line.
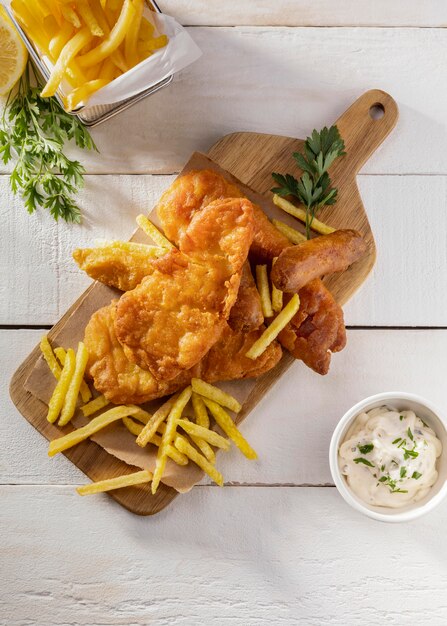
270, 333
57, 399
85, 392
214, 393
152, 231
204, 433
97, 423
262, 282
48, 355
169, 434
157, 418
228, 426
132, 426
71, 398
94, 405
291, 233
186, 448
137, 478
200, 412
300, 214
172, 453
277, 295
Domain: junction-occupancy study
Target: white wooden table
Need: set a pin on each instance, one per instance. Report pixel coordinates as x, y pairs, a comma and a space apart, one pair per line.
277, 545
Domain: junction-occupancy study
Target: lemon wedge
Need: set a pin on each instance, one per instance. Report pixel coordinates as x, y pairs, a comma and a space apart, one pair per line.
13, 54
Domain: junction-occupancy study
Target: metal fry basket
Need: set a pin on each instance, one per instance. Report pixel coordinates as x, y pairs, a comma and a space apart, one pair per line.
94, 115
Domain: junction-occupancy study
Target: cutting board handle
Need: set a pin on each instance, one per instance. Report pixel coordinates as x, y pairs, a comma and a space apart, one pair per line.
364, 126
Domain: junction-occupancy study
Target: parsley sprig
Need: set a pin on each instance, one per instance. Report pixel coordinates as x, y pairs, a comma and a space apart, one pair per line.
313, 189
34, 131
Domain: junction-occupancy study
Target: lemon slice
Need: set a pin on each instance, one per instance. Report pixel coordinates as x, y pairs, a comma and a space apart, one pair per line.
13, 54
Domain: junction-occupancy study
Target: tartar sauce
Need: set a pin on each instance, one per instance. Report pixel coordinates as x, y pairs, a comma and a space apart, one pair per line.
389, 457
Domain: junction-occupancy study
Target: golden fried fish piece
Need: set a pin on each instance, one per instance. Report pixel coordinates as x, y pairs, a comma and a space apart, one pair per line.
171, 320
123, 382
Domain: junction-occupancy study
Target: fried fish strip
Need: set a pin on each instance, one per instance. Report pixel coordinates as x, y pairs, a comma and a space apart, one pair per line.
299, 265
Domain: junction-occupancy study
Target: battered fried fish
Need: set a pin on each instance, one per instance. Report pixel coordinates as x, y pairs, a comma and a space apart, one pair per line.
123, 382
298, 265
171, 320
119, 265
246, 313
317, 329
322, 318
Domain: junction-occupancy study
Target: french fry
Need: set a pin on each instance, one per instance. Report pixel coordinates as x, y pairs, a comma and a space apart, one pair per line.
137, 478
200, 412
95, 405
204, 448
168, 437
60, 39
153, 232
228, 426
69, 407
70, 15
130, 41
292, 234
48, 355
214, 393
277, 295
157, 418
204, 433
69, 51
150, 45
83, 93
113, 40
270, 333
172, 453
89, 18
262, 283
85, 392
183, 446
97, 423
142, 416
146, 29
58, 397
132, 426
300, 214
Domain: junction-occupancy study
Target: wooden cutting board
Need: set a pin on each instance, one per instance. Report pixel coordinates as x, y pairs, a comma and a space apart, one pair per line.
251, 158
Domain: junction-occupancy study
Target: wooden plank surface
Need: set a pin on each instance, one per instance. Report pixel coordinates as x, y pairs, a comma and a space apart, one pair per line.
285, 81
307, 13
312, 561
37, 267
291, 427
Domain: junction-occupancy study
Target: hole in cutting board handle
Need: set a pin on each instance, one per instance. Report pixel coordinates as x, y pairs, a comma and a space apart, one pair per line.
377, 111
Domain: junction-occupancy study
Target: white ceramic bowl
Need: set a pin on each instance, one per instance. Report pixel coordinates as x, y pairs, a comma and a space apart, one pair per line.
400, 401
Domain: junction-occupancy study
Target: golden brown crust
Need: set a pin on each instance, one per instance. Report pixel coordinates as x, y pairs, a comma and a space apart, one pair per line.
171, 320
317, 329
298, 265
246, 314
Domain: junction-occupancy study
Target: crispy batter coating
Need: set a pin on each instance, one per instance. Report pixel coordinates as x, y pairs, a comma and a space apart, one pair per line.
114, 265
317, 329
246, 313
298, 265
171, 320
123, 382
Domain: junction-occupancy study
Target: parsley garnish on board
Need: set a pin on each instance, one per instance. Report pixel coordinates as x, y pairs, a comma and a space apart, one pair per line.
313, 189
34, 131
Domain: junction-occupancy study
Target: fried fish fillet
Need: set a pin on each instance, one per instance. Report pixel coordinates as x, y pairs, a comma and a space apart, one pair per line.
298, 265
123, 382
323, 329
317, 328
120, 265
171, 320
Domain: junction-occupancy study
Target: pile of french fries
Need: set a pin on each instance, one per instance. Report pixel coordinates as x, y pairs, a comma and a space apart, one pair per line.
89, 42
175, 435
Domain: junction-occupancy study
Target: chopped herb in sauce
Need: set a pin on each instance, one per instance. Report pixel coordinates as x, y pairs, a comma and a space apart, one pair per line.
401, 417
416, 475
410, 453
364, 461
396, 440
366, 448
410, 434
403, 472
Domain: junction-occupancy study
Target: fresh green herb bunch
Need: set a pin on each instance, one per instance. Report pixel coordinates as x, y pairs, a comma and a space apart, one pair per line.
34, 131
313, 189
